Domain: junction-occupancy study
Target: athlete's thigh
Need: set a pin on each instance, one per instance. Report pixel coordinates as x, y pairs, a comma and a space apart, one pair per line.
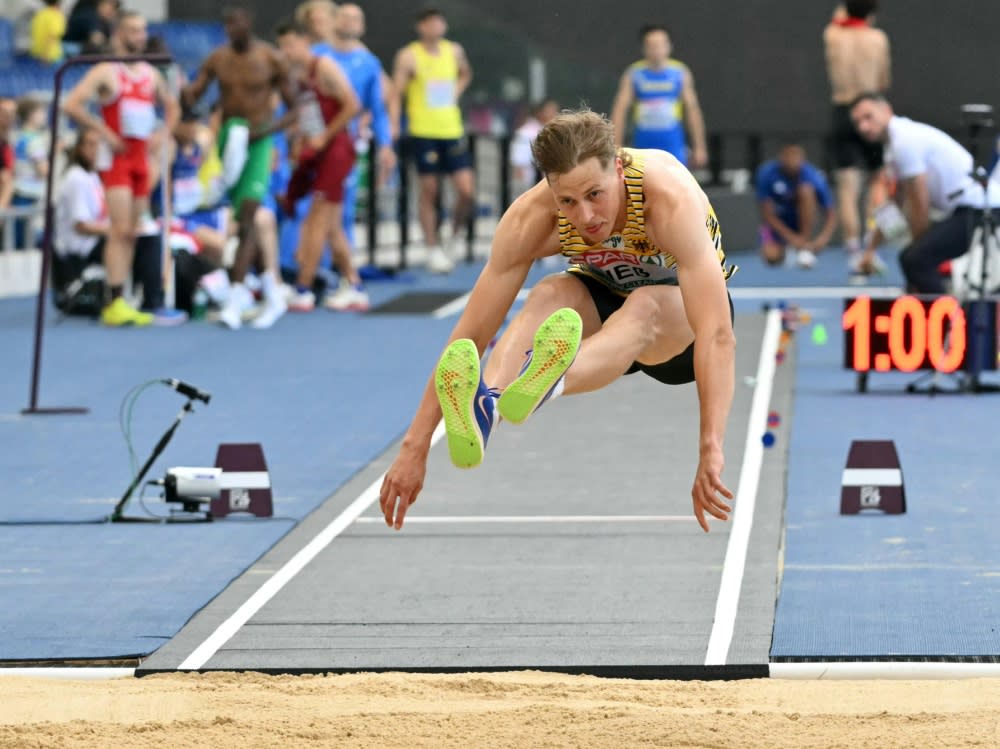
562, 290
119, 202
662, 307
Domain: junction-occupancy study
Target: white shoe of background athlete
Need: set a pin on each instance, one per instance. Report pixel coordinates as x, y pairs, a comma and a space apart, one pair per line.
347, 298
805, 259
438, 260
271, 311
240, 299
302, 301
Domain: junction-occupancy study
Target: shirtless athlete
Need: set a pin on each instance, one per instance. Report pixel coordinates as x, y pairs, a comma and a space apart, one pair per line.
857, 61
248, 71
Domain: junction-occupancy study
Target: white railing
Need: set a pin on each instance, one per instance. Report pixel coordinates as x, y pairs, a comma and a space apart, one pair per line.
9, 218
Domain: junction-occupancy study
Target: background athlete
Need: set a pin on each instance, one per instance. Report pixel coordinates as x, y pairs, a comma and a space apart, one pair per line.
658, 92
645, 290
128, 95
326, 155
248, 71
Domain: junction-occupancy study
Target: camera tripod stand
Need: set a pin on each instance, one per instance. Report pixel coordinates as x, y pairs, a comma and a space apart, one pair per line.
117, 515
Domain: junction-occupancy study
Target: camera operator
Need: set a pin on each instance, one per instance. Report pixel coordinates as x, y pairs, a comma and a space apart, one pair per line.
934, 173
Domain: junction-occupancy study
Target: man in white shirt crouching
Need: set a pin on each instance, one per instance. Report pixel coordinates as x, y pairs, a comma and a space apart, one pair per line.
933, 172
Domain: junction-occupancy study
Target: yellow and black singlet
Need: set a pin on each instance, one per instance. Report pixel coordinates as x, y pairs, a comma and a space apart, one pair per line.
627, 260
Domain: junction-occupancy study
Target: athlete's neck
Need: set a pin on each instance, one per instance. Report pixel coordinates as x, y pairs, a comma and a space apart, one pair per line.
242, 46
657, 64
622, 216
346, 43
852, 23
431, 45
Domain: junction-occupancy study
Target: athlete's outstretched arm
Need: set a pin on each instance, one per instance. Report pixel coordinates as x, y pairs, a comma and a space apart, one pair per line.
695, 121
337, 85
92, 86
191, 93
619, 111
679, 226
171, 110
402, 72
464, 71
522, 229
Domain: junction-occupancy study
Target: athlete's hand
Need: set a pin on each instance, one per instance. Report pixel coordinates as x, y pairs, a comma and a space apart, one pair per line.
114, 141
707, 488
699, 158
386, 163
401, 485
316, 143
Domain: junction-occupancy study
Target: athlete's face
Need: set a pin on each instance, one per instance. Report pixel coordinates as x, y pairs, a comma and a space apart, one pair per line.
590, 196
871, 120
295, 47
87, 148
106, 9
432, 28
656, 47
791, 158
186, 132
350, 22
320, 22
547, 111
239, 27
132, 35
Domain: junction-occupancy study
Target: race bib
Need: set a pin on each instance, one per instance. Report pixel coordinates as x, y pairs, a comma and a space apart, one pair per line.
138, 118
188, 195
656, 114
310, 115
440, 94
623, 270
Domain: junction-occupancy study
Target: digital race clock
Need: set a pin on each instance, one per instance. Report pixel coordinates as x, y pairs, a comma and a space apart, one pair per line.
910, 333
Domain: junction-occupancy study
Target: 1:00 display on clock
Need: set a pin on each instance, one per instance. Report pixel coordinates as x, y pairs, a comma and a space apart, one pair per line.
904, 334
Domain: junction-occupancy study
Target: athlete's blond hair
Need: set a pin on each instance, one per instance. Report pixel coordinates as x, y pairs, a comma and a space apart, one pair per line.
304, 10
572, 137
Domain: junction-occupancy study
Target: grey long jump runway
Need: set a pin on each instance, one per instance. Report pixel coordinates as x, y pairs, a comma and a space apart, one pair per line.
573, 548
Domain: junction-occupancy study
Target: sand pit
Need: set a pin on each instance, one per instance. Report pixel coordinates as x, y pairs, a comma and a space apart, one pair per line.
523, 709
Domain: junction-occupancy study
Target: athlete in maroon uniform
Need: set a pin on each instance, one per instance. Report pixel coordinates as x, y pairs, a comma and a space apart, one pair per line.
326, 107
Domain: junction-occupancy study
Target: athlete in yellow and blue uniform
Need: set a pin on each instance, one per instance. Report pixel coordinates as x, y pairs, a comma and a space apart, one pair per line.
657, 96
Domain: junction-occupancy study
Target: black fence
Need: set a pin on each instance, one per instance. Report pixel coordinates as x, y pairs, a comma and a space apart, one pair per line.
729, 154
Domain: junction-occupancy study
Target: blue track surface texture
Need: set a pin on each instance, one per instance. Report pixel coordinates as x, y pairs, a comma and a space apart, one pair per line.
926, 583
323, 393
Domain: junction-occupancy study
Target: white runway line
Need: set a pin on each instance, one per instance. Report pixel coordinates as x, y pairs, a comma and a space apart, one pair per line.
814, 292
225, 631
746, 498
71, 673
451, 308
884, 670
530, 519
455, 306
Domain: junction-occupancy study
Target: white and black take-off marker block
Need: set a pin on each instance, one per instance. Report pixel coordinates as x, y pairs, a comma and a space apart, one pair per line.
873, 479
246, 482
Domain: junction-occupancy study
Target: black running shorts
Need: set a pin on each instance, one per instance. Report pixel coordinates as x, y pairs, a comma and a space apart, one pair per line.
676, 371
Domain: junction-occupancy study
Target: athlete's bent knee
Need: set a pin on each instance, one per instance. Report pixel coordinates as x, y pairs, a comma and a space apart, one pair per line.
647, 311
556, 291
